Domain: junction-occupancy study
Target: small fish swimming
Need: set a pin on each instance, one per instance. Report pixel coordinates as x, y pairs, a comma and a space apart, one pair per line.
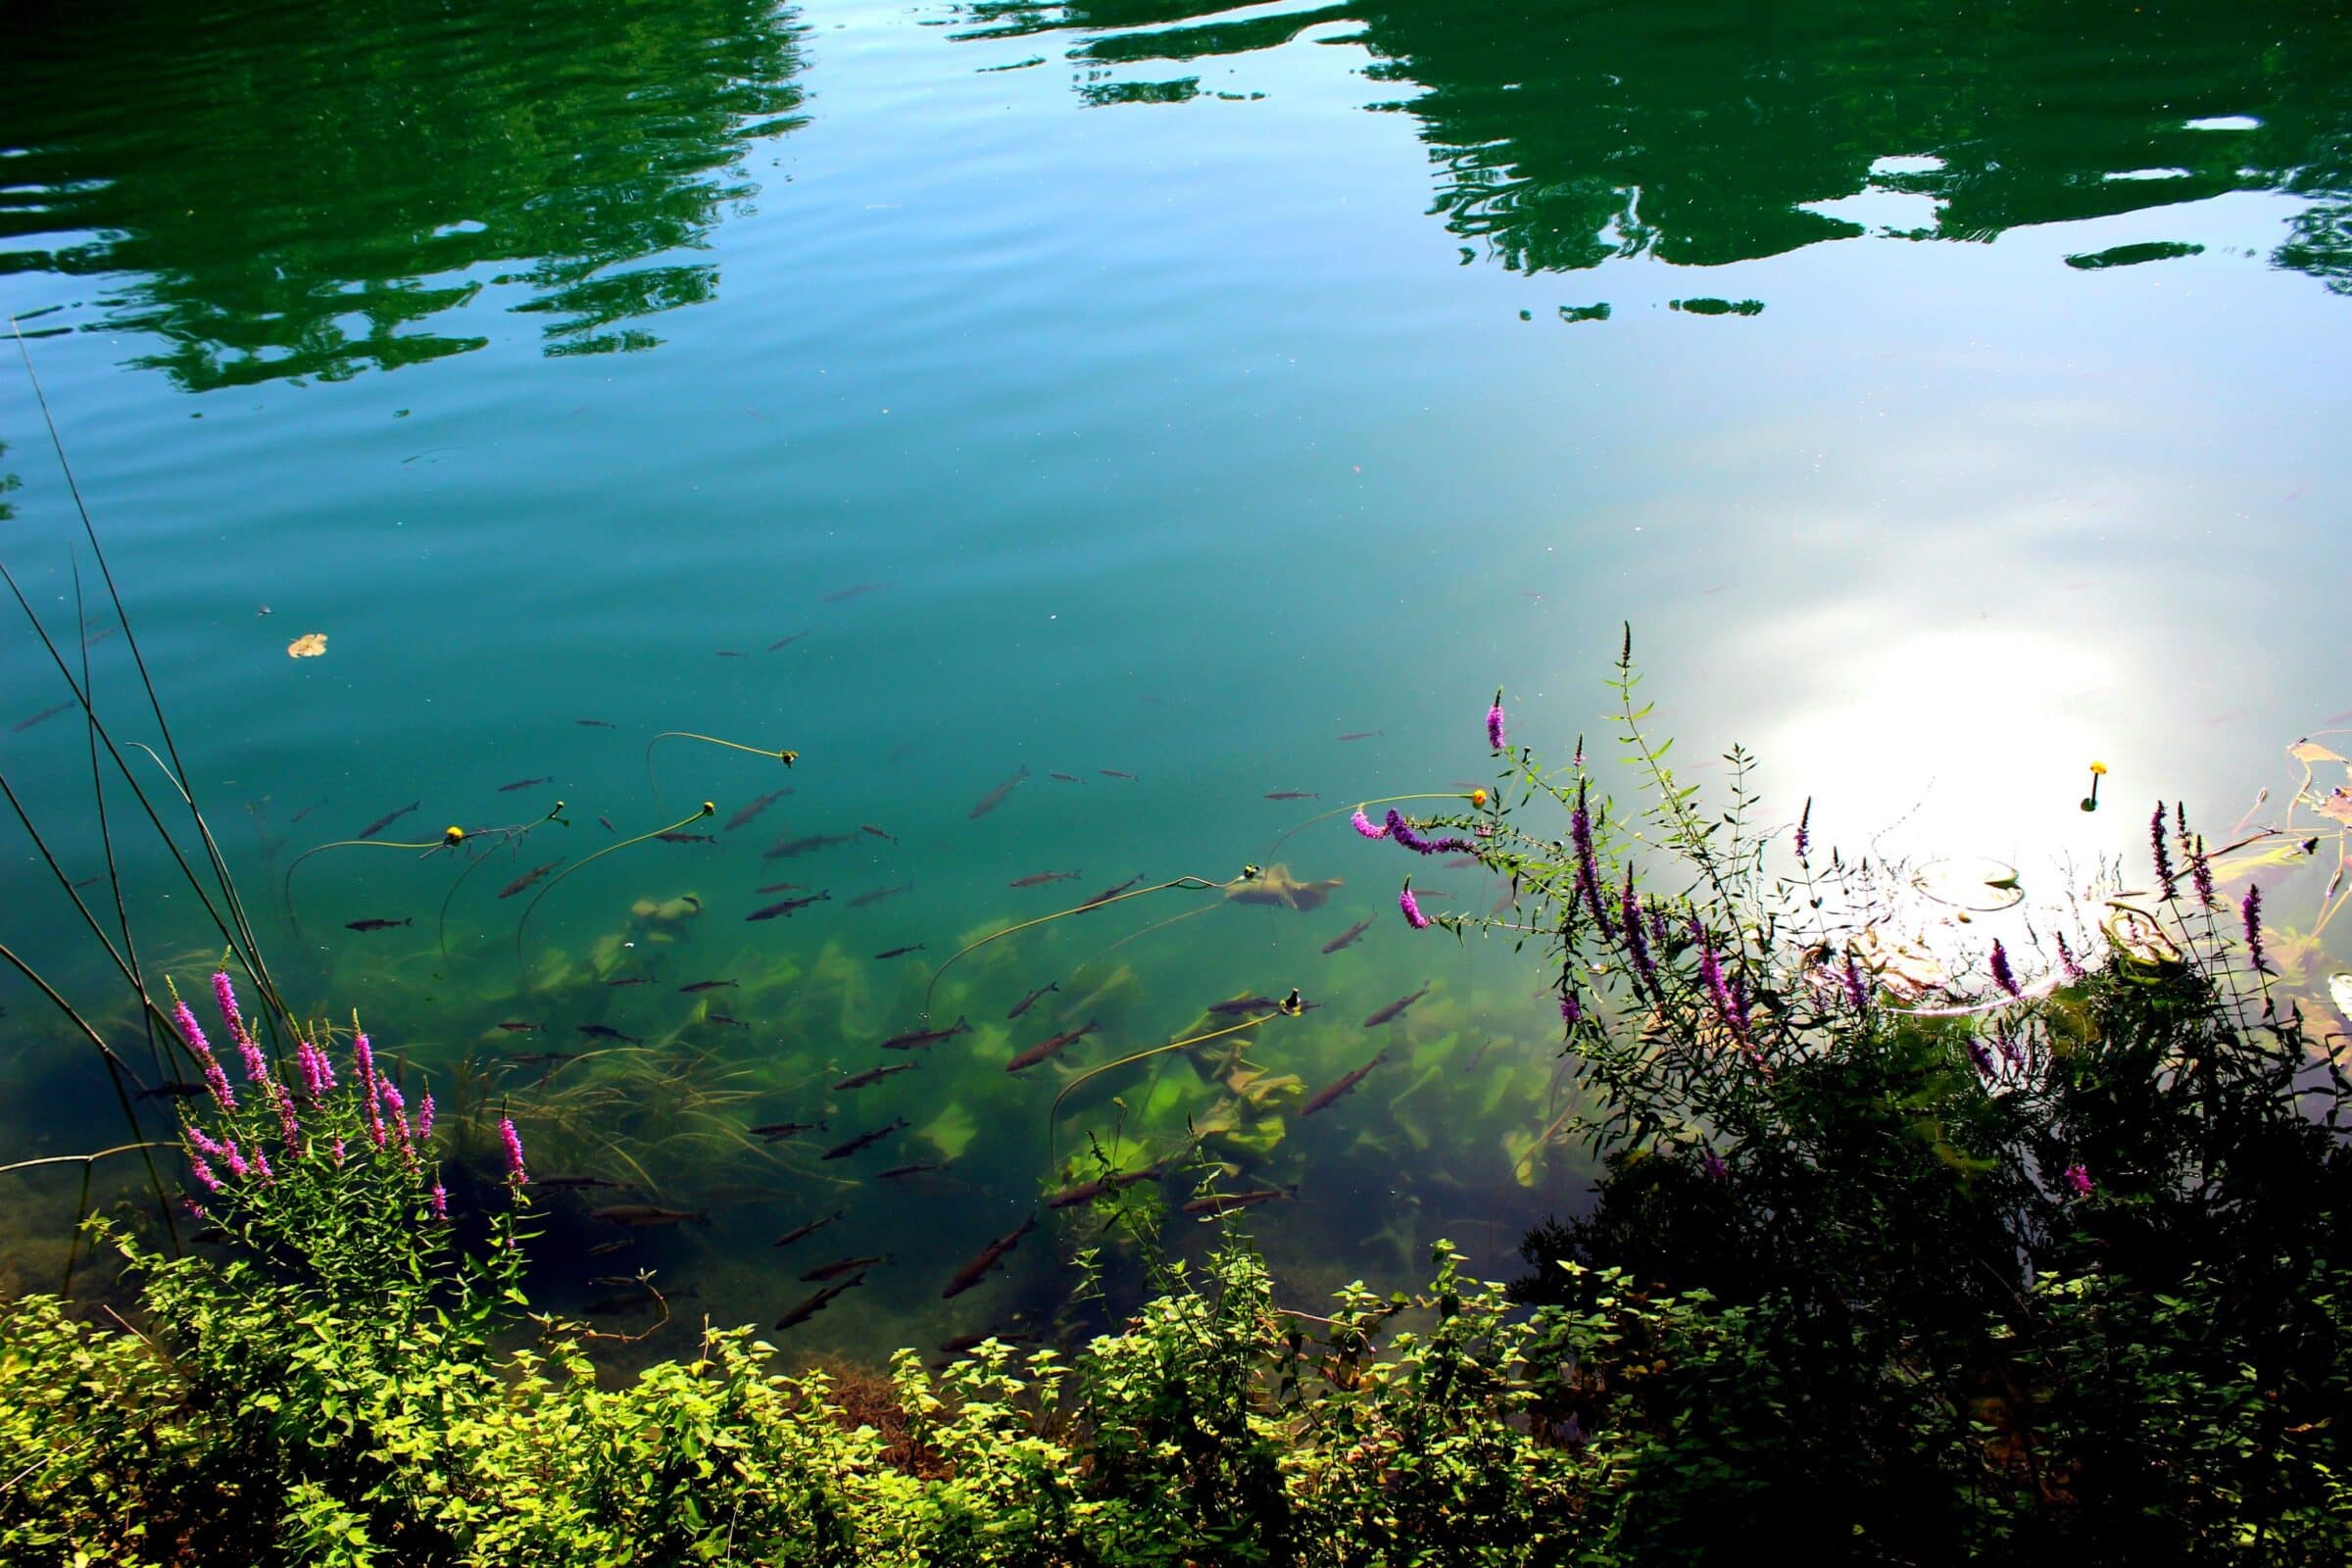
598, 1031
1030, 1001
996, 797
23, 724
847, 1265
880, 833
863, 1140
774, 1129
1325, 1099
1243, 1007
608, 1249
898, 952
517, 1027
374, 925
819, 1302
607, 823
307, 810
1226, 1203
1039, 879
1108, 894
782, 887
648, 1215
1362, 734
918, 1168
801, 1233
806, 845
1054, 1045
1088, 1192
782, 643
706, 984
674, 837
729, 653
925, 1037
594, 723
541, 1059
524, 784
633, 980
1347, 937
387, 820
1397, 1007
723, 1018
879, 894
1112, 772
528, 877
744, 817
1460, 863
988, 1256
853, 590
1292, 794
788, 905
1064, 778
873, 1075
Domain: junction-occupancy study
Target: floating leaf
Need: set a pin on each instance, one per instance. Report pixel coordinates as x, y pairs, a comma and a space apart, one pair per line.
310, 644
2312, 752
2136, 935
1971, 882
2337, 806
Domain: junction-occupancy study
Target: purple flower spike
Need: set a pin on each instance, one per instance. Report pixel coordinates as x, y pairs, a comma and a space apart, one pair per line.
1710, 974
287, 1126
1411, 907
1587, 870
236, 1160
1405, 833
440, 1201
1982, 1056
204, 1173
2001, 975
1805, 830
2200, 875
339, 1153
2066, 958
370, 1087
2251, 911
261, 1166
1364, 825
225, 995
202, 1049
1856, 991
514, 1142
424, 1118
1572, 1012
2166, 879
2079, 1180
1637, 940
1712, 1162
1494, 738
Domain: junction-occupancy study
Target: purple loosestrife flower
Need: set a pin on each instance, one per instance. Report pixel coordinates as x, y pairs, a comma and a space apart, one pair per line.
237, 1166
316, 1078
1587, 870
2079, 1180
440, 1199
1805, 830
1710, 974
399, 1108
1411, 907
261, 1166
1405, 833
225, 995
1855, 991
1572, 1012
286, 1124
364, 1054
1494, 738
514, 1142
424, 1117
1713, 1165
213, 1078
2251, 911
2001, 974
1637, 940
339, 1153
1364, 825
2066, 958
2200, 875
1982, 1057
2164, 877
204, 1173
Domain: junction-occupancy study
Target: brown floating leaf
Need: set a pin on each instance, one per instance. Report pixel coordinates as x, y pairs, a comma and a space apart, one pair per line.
310, 644
2311, 752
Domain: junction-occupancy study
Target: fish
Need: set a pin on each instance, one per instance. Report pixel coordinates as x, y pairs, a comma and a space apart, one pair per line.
1292, 794
819, 1302
307, 810
633, 980
925, 1037
1347, 937
1112, 772
1325, 1099
23, 724
801, 1233
1364, 734
648, 1215
781, 887
598, 1031
996, 797
572, 1184
93, 881
175, 1092
988, 1258
1052, 1046
773, 1130
879, 894
915, 1170
524, 784
848, 1265
1226, 1203
387, 820
595, 723
770, 912
1108, 894
873, 1075
517, 1027
706, 984
1064, 778
853, 590
863, 1140
1030, 1001
528, 877
729, 653
1039, 879
542, 1059
782, 643
1243, 1006
789, 848
608, 824
374, 925
723, 1018
674, 837
608, 1249
1460, 863
1088, 1192
744, 817
897, 952
880, 833
1394, 1009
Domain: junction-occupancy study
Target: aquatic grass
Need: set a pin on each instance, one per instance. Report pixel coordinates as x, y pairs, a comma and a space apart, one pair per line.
1193, 884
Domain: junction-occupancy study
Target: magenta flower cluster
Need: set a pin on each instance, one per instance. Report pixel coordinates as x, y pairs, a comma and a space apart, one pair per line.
1411, 907
1495, 735
1405, 833
2003, 975
514, 1142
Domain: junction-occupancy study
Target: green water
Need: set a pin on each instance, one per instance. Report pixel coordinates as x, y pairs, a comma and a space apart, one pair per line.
1198, 387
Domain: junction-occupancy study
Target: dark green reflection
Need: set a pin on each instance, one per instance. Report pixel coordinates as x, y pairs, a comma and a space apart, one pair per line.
1567, 134
303, 190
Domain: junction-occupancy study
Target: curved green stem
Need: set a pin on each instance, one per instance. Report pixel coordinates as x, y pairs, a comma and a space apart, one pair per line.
708, 808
